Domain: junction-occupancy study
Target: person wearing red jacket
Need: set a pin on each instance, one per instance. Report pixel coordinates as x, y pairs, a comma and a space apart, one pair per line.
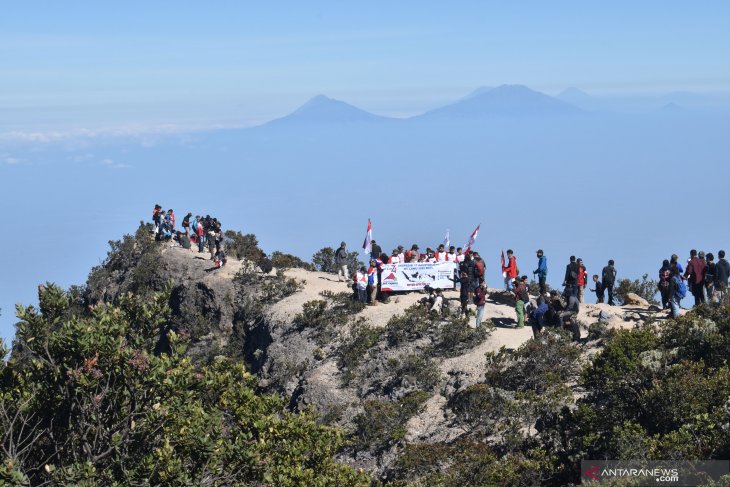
582, 280
696, 269
510, 270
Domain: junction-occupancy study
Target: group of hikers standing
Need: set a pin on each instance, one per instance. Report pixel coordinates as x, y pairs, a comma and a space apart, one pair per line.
708, 281
196, 230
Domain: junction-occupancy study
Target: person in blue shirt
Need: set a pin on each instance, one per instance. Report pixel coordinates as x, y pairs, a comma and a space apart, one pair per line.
541, 271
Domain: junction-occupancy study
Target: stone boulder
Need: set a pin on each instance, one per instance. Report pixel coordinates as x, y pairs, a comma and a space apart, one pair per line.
635, 300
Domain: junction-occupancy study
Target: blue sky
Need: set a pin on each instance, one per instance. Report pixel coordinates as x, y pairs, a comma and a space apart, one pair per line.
92, 65
70, 69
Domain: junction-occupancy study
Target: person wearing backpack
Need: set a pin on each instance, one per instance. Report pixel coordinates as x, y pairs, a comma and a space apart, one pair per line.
341, 263
696, 269
479, 268
480, 299
608, 276
541, 270
665, 273
676, 290
722, 274
571, 277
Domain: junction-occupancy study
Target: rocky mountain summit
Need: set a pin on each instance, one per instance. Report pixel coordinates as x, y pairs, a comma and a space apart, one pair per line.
390, 375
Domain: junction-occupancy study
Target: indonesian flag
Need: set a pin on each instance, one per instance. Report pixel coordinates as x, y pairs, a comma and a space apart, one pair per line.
472, 239
367, 244
504, 269
447, 239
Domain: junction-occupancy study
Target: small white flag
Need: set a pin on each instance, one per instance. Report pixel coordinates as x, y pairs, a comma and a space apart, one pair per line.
447, 239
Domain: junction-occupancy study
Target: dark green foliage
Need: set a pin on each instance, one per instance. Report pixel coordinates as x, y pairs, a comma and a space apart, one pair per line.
536, 366
323, 317
351, 352
324, 261
132, 264
455, 336
410, 326
281, 260
240, 246
84, 400
645, 288
413, 371
382, 422
265, 288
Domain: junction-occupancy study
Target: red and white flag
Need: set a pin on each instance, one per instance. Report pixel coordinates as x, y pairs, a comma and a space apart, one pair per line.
367, 244
472, 239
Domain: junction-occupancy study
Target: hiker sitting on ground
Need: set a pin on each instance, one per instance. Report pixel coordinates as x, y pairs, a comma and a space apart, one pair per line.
438, 302
538, 315
571, 324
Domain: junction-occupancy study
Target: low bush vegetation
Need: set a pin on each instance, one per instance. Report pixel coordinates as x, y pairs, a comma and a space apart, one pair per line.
644, 287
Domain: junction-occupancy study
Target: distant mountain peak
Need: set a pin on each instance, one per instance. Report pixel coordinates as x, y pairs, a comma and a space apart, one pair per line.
504, 100
321, 109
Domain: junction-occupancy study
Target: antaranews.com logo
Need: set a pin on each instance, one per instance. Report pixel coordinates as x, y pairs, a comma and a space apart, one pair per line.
639, 472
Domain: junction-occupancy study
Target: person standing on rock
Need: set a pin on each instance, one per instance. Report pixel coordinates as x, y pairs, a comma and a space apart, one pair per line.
480, 299
186, 223
571, 277
710, 277
541, 271
341, 263
582, 281
521, 297
696, 269
665, 274
361, 281
465, 292
375, 250
609, 280
673, 291
722, 275
372, 282
599, 289
510, 270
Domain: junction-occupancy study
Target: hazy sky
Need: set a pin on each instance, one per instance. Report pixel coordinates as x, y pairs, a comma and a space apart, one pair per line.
79, 64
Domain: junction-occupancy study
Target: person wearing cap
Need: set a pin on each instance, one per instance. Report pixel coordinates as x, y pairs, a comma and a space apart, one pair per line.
412, 255
341, 263
521, 297
541, 270
696, 269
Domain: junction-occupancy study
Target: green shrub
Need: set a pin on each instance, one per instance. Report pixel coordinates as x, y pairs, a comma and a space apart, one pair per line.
383, 423
455, 336
281, 260
413, 324
645, 288
351, 352
240, 246
324, 261
91, 403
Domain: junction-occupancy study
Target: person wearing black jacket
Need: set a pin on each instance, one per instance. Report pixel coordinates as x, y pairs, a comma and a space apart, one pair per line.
571, 277
341, 264
665, 274
722, 274
375, 250
609, 279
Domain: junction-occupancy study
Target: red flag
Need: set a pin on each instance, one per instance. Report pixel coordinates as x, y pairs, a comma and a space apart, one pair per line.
472, 239
502, 260
367, 244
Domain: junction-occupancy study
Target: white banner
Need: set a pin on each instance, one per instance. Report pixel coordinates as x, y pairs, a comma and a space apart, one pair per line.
417, 275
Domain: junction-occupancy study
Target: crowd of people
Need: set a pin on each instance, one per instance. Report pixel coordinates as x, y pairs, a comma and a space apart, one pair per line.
706, 279
196, 231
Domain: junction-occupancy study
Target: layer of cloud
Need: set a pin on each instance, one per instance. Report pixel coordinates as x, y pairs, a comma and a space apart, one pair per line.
112, 164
